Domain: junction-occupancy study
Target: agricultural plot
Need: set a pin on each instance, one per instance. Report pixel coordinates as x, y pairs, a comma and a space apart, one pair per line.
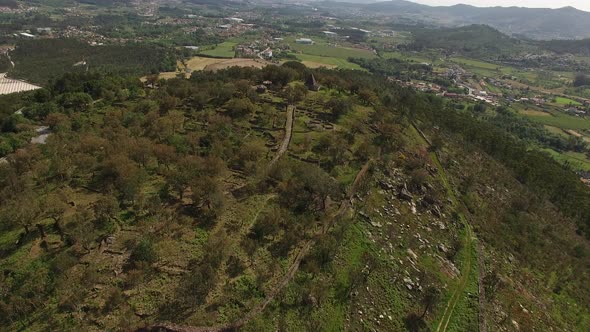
321, 48
198, 63
576, 160
407, 57
225, 49
560, 120
8, 85
566, 101
315, 61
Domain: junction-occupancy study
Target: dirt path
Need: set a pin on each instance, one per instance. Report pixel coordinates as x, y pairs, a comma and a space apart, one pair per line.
483, 326
288, 134
459, 290
291, 271
468, 239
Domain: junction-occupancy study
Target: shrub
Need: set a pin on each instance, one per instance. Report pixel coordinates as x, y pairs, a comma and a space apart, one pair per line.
144, 252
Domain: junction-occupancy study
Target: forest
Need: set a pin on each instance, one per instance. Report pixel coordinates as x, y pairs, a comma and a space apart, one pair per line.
41, 60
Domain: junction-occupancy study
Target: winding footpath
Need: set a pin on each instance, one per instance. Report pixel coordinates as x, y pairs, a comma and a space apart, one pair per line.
345, 205
306, 247
287, 138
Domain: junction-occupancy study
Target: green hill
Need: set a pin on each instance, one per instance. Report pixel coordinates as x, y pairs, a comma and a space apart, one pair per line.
214, 204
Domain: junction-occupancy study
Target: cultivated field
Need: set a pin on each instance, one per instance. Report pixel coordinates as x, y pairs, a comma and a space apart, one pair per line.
316, 61
198, 63
8, 85
225, 49
237, 62
325, 49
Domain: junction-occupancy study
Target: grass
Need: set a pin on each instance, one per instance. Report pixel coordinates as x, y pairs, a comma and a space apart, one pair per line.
225, 49
576, 160
475, 63
532, 112
556, 131
566, 101
322, 48
315, 61
407, 57
561, 120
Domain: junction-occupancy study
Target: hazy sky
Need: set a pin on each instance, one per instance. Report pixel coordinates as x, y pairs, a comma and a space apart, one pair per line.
580, 4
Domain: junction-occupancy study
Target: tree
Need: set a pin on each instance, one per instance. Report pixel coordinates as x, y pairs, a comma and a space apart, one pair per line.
239, 107
429, 299
25, 209
306, 188
105, 210
338, 106
367, 96
295, 93
76, 101
144, 251
581, 80
207, 195
54, 206
58, 122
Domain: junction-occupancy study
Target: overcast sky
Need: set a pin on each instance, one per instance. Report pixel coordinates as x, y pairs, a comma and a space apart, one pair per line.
580, 4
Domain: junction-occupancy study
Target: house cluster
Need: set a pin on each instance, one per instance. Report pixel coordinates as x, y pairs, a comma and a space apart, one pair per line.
253, 51
576, 111
263, 48
420, 86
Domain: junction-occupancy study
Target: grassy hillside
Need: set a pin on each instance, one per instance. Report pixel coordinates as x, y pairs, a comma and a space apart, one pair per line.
202, 203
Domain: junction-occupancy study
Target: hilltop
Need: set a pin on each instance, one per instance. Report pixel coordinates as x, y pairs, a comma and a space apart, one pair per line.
534, 23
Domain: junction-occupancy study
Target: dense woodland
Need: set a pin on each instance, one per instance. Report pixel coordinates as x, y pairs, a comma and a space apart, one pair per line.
42, 60
475, 40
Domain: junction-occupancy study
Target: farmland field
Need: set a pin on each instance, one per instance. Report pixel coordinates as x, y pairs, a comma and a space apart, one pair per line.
225, 49
566, 101
324, 49
561, 120
236, 62
203, 63
407, 57
577, 160
530, 112
315, 61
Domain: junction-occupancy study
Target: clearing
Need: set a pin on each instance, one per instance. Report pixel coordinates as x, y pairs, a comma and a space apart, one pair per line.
316, 61
198, 63
225, 49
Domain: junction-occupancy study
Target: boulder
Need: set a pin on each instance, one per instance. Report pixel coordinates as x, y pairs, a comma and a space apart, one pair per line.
405, 194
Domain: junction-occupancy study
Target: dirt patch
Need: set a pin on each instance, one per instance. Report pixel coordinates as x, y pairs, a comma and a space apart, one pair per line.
313, 64
530, 112
574, 133
199, 62
226, 63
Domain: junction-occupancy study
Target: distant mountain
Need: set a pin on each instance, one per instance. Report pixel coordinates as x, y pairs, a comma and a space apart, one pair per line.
535, 23
476, 40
